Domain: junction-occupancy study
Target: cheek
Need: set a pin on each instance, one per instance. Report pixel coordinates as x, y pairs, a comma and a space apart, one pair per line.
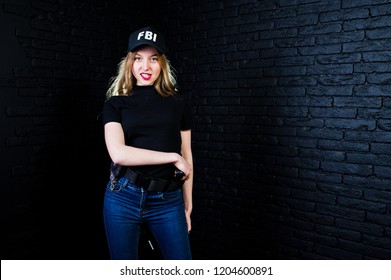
157, 70
134, 70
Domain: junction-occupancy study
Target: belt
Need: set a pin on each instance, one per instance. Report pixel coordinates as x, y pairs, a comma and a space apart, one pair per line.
152, 184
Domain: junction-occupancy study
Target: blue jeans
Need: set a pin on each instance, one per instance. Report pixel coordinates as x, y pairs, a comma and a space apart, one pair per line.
127, 206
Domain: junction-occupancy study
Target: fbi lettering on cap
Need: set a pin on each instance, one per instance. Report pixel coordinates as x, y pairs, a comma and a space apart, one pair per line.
148, 35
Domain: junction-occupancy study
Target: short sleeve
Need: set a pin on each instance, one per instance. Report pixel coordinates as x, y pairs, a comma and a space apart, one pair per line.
110, 113
187, 118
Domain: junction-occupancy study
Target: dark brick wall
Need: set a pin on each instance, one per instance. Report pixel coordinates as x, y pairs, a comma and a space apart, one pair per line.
292, 137
292, 142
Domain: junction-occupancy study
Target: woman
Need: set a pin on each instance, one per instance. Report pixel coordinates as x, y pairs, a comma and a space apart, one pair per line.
147, 130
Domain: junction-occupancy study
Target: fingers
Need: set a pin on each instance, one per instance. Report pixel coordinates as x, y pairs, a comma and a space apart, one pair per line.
187, 170
185, 167
187, 177
188, 221
188, 226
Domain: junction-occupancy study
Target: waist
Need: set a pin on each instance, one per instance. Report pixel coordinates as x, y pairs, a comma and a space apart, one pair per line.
152, 184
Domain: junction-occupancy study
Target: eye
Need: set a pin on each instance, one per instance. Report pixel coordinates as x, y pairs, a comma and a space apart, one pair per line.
137, 58
154, 59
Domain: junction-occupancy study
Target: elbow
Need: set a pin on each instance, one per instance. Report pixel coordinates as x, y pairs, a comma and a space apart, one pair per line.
118, 160
117, 157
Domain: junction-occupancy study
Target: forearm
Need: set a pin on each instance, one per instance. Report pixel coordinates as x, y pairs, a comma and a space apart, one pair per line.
125, 155
188, 186
131, 156
188, 157
188, 194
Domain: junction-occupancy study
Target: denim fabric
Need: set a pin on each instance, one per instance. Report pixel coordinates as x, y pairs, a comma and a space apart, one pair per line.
127, 206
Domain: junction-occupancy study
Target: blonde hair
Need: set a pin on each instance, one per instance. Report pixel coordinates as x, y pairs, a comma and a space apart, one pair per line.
123, 83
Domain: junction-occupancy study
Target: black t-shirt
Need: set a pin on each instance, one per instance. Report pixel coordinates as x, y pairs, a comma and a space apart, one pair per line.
152, 122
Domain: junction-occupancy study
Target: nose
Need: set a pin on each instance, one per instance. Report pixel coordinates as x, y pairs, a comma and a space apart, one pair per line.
145, 64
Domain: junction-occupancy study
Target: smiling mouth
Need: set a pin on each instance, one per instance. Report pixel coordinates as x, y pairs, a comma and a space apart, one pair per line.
145, 76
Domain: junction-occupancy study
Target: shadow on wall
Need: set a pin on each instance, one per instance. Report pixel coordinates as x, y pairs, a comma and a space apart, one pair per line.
70, 172
79, 168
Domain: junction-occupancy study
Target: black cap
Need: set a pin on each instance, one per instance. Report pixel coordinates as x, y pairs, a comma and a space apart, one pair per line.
147, 36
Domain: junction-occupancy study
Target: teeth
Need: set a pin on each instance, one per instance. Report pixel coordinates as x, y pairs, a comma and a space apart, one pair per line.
146, 75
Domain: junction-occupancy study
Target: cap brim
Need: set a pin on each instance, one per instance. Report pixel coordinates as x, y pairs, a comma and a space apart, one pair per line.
136, 46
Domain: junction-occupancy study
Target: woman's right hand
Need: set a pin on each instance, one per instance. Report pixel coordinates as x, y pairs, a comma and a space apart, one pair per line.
182, 165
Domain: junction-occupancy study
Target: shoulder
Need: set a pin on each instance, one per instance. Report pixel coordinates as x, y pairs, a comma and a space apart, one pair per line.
117, 100
115, 103
184, 98
181, 96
